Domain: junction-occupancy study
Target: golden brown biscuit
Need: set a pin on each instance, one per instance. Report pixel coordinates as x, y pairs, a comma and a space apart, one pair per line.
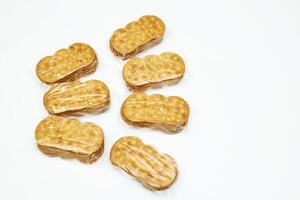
67, 64
77, 97
169, 114
137, 36
70, 138
157, 171
153, 71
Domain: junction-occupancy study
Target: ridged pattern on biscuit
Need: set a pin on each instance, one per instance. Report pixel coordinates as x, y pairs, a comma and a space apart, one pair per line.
169, 114
70, 135
137, 36
153, 70
77, 97
69, 64
155, 170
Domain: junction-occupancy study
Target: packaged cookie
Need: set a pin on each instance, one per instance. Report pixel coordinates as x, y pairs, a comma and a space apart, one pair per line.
68, 64
169, 114
137, 36
77, 97
153, 71
69, 138
155, 170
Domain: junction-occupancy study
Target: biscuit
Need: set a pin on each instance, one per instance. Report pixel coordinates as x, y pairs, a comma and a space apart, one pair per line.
137, 36
153, 71
70, 138
77, 97
155, 170
66, 65
169, 114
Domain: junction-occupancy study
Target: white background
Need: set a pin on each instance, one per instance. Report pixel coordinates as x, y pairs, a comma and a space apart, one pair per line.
242, 83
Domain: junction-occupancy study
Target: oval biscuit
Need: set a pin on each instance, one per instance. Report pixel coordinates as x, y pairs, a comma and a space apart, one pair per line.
137, 36
77, 97
70, 138
69, 64
157, 171
153, 71
169, 114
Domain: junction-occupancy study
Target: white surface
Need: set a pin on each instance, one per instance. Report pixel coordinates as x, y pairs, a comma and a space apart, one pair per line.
242, 83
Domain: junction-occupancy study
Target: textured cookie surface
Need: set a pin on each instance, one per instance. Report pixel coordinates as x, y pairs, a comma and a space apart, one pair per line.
169, 114
153, 71
77, 97
137, 36
70, 138
67, 64
155, 170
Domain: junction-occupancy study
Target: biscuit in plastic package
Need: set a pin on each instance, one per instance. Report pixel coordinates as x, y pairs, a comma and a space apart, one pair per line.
70, 139
68, 64
153, 71
169, 114
77, 98
155, 170
137, 36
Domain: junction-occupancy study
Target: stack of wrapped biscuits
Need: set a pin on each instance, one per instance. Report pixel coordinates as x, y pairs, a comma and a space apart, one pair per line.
59, 135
